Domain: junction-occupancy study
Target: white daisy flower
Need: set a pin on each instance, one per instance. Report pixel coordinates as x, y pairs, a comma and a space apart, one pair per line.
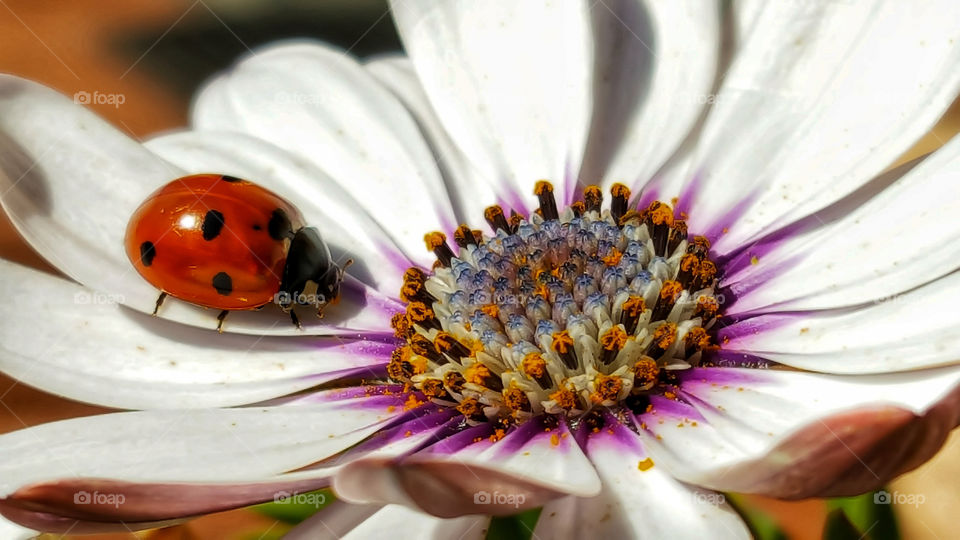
721, 289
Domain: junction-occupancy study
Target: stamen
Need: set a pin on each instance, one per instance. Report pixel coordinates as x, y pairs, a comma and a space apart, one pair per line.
632, 308
548, 204
414, 281
454, 381
563, 346
437, 243
445, 343
401, 326
592, 198
464, 237
659, 219
516, 400
696, 340
612, 342
422, 346
419, 313
565, 399
645, 374
480, 375
669, 292
535, 367
607, 390
663, 338
471, 408
494, 216
433, 388
621, 197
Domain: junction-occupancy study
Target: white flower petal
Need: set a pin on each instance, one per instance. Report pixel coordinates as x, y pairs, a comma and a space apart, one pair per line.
792, 434
639, 499
71, 341
443, 479
918, 329
344, 223
470, 189
321, 105
511, 82
898, 240
657, 63
12, 531
807, 113
70, 183
333, 521
395, 520
209, 445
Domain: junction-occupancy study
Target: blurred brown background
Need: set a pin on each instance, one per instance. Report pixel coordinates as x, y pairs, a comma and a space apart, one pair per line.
156, 53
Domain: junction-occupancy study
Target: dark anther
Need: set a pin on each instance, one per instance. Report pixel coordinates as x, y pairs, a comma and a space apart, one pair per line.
548, 204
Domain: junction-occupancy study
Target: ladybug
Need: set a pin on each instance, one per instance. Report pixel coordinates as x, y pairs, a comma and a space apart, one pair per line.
225, 243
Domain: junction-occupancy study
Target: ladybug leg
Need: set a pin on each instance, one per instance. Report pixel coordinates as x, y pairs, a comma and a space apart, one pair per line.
220, 318
296, 320
343, 269
160, 299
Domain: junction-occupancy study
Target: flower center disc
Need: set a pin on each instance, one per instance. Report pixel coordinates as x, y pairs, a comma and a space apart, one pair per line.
563, 313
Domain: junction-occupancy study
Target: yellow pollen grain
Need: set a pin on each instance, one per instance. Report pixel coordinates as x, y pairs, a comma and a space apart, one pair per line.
411, 403
516, 399
555, 440
754, 260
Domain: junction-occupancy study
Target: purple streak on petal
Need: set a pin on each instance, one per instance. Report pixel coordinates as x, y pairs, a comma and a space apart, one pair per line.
717, 376
740, 259
528, 432
740, 330
669, 409
648, 194
439, 421
615, 433
727, 221
356, 392
733, 359
456, 442
686, 199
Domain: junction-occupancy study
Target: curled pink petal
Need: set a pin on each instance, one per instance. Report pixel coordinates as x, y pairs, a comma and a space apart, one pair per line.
443, 488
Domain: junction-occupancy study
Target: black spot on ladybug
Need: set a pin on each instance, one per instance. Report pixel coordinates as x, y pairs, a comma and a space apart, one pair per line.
227, 178
223, 284
257, 227
279, 226
212, 224
147, 252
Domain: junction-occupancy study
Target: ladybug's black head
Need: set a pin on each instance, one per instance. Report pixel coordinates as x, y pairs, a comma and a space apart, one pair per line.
310, 276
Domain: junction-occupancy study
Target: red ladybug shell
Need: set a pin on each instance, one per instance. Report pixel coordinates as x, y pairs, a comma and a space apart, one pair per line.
213, 240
